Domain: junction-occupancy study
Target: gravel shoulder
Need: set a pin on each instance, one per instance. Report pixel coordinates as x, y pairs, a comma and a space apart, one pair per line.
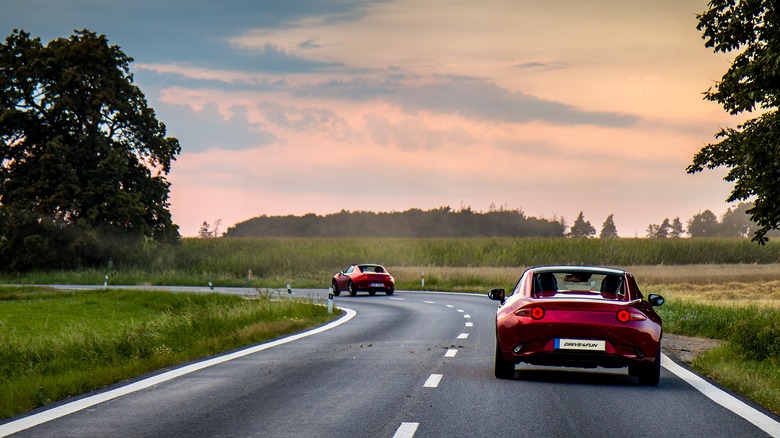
686, 348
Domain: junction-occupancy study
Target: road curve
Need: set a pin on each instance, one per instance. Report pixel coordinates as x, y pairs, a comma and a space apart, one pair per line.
412, 365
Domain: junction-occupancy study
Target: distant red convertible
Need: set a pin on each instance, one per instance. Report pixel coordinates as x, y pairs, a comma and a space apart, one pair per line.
578, 316
369, 277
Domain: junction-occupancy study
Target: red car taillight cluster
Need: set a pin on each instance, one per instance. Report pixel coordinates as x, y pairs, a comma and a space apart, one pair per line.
535, 312
623, 315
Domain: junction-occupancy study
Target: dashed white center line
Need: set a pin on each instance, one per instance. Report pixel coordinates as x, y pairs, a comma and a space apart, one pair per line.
406, 430
429, 302
463, 336
433, 381
461, 310
397, 299
467, 316
450, 306
469, 324
451, 352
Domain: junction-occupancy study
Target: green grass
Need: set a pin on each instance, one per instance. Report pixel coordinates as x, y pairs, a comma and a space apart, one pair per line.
58, 344
749, 360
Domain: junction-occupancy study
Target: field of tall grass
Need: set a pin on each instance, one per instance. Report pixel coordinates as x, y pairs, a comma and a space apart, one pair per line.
310, 262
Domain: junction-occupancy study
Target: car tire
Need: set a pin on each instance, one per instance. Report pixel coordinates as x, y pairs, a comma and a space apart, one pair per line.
336, 291
351, 289
503, 368
389, 292
650, 375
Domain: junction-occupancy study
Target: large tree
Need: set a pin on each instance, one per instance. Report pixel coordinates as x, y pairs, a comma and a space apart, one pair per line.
751, 152
704, 224
80, 148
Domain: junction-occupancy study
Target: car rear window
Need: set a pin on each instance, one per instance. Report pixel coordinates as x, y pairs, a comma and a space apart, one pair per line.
594, 284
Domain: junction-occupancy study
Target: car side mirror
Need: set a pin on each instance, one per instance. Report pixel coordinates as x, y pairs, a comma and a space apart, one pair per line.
497, 294
655, 299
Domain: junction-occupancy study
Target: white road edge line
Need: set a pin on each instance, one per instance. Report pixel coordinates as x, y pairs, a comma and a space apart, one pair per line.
406, 430
759, 419
69, 408
463, 336
451, 352
433, 381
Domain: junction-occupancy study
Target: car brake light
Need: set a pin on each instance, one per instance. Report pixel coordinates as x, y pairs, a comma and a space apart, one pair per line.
533, 312
624, 315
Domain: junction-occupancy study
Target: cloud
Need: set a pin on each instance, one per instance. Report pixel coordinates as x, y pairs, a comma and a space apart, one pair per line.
467, 97
207, 129
295, 119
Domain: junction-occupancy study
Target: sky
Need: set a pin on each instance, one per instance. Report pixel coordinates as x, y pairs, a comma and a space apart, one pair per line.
289, 107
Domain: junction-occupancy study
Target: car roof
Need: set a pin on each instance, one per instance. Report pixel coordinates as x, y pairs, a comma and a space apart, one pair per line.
578, 268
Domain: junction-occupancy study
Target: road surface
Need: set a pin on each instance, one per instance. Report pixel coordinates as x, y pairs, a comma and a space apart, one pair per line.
414, 364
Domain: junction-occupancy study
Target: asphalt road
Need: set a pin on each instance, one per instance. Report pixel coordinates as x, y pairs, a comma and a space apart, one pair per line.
414, 364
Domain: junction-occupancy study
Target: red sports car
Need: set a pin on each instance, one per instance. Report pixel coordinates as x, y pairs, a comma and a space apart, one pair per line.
578, 316
368, 277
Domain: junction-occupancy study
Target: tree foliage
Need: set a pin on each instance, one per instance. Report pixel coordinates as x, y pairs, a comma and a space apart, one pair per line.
80, 148
704, 224
439, 222
751, 152
581, 228
608, 228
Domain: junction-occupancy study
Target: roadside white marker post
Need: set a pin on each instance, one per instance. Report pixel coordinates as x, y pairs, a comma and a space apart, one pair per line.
422, 279
211, 286
105, 282
330, 300
289, 291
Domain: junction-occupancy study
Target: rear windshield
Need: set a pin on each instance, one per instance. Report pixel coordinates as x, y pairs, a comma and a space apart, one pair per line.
587, 283
372, 268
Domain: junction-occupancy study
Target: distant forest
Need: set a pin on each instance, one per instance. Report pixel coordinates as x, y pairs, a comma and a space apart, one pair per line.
439, 222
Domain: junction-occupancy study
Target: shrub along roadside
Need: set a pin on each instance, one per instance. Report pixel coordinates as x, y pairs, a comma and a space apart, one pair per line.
60, 344
749, 361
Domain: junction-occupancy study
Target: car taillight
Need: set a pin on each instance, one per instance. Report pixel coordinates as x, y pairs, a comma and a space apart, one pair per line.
534, 312
624, 315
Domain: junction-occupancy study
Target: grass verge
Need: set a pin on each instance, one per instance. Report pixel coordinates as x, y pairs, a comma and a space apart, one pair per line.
56, 344
748, 361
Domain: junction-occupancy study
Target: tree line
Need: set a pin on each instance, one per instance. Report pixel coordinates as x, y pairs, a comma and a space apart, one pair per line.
438, 222
446, 222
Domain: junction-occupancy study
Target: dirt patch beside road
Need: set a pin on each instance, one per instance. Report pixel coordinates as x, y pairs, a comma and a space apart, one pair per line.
686, 348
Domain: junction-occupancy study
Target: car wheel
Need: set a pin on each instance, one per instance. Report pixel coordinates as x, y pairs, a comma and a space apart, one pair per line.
650, 375
336, 291
351, 289
503, 368
389, 292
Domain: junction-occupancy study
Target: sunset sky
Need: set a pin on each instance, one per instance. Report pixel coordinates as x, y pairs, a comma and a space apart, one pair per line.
314, 106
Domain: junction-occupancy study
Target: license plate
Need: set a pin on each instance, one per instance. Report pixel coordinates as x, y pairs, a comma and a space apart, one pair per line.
377, 285
580, 344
